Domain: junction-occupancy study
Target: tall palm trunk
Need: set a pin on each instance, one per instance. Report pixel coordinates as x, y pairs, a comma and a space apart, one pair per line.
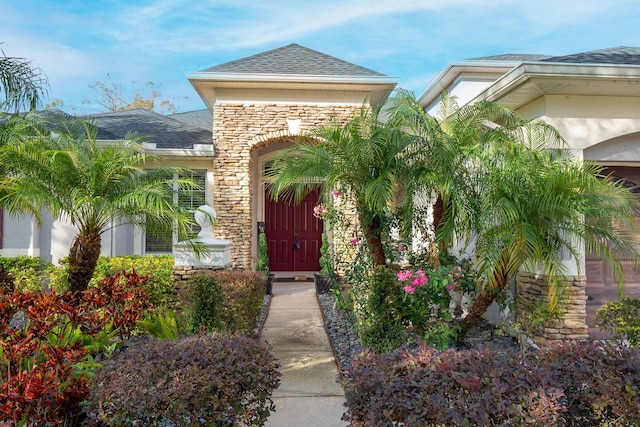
438, 214
372, 229
83, 257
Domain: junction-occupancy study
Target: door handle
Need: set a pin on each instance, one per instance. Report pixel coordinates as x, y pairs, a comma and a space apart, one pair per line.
296, 242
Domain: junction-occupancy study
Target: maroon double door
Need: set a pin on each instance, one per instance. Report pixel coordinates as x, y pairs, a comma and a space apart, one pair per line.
294, 235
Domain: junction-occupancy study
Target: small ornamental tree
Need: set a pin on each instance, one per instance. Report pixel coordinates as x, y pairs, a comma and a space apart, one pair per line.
91, 185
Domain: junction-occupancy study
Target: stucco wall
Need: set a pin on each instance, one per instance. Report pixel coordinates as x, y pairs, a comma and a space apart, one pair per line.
240, 129
585, 121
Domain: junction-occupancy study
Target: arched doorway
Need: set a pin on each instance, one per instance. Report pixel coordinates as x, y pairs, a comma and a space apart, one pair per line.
294, 234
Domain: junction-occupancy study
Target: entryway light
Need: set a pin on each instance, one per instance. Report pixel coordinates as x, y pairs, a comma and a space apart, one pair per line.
294, 126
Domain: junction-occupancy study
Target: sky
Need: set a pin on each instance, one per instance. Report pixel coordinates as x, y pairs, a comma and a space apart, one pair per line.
77, 43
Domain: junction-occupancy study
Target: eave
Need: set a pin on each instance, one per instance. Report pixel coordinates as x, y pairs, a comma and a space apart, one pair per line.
206, 84
529, 81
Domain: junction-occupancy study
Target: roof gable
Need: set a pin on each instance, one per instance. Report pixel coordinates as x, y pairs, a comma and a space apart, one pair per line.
293, 59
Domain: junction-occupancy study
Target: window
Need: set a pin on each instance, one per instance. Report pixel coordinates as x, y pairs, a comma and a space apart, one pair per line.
158, 242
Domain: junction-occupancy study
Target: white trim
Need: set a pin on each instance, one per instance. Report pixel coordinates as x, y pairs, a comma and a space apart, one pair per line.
16, 252
258, 77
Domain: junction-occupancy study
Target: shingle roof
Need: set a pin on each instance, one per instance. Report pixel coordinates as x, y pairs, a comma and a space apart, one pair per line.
294, 59
624, 55
155, 128
512, 57
200, 118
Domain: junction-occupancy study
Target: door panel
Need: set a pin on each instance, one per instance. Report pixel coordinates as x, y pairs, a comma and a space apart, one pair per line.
279, 231
309, 232
294, 235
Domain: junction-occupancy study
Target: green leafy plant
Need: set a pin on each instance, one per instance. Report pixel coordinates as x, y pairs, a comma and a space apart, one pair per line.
159, 268
622, 319
326, 260
164, 324
200, 380
205, 303
382, 329
263, 255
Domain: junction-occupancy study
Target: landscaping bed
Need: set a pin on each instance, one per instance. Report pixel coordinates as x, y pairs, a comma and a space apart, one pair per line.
192, 359
489, 381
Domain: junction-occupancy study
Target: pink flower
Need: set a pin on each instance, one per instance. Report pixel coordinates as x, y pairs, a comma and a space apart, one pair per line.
319, 211
409, 289
449, 286
421, 273
354, 241
404, 275
419, 281
335, 194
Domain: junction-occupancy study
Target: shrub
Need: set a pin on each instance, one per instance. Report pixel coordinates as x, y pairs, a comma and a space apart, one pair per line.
48, 344
27, 272
621, 319
7, 285
119, 300
39, 356
578, 384
243, 297
262, 265
159, 268
205, 303
198, 380
382, 329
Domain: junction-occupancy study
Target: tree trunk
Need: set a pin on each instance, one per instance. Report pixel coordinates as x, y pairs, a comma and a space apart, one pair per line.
477, 310
438, 215
83, 257
488, 295
372, 234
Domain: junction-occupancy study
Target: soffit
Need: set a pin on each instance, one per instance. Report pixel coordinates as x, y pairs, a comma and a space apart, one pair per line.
528, 82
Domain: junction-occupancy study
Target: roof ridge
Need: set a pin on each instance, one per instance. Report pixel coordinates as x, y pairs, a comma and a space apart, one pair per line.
293, 59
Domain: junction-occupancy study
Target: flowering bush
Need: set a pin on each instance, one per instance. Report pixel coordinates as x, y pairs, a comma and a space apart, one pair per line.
320, 211
425, 300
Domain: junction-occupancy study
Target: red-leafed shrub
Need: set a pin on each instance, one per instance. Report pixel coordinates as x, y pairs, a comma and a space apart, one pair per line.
578, 384
45, 363
119, 300
39, 383
197, 380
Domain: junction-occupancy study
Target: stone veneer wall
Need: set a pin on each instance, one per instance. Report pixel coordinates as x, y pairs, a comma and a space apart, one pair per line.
532, 289
239, 130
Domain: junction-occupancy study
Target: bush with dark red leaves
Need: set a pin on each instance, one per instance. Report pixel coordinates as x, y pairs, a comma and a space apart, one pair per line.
198, 380
579, 384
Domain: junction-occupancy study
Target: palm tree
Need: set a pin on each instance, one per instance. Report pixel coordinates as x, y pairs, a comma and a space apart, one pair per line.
22, 85
93, 186
538, 204
509, 185
364, 156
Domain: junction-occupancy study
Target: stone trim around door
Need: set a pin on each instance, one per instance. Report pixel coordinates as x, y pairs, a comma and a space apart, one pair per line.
241, 133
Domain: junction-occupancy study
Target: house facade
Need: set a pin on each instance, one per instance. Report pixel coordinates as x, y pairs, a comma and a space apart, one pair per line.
593, 99
257, 106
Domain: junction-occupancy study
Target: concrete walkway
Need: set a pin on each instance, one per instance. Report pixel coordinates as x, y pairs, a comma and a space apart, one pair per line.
308, 395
